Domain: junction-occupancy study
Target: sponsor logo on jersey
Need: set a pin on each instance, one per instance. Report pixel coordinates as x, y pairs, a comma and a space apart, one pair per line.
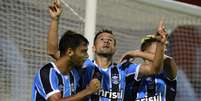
110, 94
115, 79
152, 98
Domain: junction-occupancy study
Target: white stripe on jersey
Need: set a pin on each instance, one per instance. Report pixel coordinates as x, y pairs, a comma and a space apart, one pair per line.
38, 89
64, 86
110, 83
51, 93
51, 79
137, 72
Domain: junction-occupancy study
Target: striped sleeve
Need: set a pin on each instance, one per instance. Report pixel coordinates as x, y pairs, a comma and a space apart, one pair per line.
133, 69
49, 82
87, 72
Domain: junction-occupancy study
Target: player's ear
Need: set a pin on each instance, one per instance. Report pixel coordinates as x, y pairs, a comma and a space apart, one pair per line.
69, 52
93, 48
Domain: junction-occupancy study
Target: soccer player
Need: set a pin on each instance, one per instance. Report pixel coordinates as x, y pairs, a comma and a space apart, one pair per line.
59, 81
158, 87
111, 75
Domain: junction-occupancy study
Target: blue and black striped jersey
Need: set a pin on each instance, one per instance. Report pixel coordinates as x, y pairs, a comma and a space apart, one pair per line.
49, 80
112, 80
151, 88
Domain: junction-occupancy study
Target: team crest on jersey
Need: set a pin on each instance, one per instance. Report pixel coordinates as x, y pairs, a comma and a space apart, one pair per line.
115, 79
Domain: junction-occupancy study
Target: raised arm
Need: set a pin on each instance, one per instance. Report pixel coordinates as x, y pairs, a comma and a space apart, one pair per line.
169, 65
136, 54
155, 66
94, 86
55, 11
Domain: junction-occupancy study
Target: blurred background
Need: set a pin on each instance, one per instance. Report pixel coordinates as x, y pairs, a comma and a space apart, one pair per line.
24, 26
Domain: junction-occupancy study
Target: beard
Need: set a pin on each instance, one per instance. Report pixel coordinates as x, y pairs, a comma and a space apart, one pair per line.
105, 53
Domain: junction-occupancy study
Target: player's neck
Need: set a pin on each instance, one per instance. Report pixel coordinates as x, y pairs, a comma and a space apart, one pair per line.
103, 62
63, 66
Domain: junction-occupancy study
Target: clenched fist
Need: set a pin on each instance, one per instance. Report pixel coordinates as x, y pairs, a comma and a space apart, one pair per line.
94, 85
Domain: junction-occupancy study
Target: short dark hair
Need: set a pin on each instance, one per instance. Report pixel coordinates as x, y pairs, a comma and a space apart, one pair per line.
71, 39
103, 31
147, 41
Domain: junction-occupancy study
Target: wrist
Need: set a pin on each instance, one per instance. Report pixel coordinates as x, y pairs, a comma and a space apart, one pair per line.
88, 91
163, 41
83, 93
55, 18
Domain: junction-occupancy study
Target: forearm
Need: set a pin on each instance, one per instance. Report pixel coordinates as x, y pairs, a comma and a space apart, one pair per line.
137, 54
79, 96
158, 58
144, 55
94, 86
53, 38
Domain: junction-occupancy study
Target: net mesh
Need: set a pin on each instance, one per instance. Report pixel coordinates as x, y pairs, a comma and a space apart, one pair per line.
24, 26
185, 47
23, 38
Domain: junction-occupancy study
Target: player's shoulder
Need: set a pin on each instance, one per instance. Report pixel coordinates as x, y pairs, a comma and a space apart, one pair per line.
46, 68
43, 72
75, 72
88, 62
134, 65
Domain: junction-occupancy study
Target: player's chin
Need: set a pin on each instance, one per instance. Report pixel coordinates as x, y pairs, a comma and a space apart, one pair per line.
80, 63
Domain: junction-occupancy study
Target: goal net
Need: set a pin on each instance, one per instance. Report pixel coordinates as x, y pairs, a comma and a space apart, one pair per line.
23, 37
